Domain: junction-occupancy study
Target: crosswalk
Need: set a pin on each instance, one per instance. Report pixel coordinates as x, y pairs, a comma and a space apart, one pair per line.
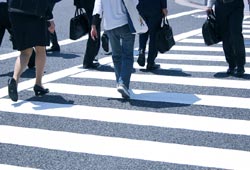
199, 119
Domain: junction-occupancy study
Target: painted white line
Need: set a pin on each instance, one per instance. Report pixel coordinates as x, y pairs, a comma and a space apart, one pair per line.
189, 57
12, 167
142, 118
184, 13
154, 96
187, 34
202, 82
51, 77
126, 148
195, 48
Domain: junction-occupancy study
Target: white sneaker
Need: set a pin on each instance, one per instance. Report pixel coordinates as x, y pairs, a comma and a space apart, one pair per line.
121, 88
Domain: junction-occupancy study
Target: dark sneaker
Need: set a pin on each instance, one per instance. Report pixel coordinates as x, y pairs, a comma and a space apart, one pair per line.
105, 42
12, 89
121, 88
153, 66
141, 58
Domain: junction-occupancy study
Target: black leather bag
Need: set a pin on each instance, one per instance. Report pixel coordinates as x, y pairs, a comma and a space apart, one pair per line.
78, 25
31, 7
164, 37
210, 30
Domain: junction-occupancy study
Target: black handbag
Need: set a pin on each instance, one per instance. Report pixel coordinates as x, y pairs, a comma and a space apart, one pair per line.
78, 25
210, 30
164, 37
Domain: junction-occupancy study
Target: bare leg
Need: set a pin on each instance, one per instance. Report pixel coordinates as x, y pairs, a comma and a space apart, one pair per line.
21, 63
40, 64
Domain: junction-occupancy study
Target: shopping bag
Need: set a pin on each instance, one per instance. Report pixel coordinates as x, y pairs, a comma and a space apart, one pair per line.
78, 25
164, 37
136, 23
210, 30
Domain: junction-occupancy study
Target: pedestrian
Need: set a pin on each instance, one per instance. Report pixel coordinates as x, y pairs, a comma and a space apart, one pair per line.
152, 12
4, 21
30, 29
115, 23
229, 17
93, 46
53, 37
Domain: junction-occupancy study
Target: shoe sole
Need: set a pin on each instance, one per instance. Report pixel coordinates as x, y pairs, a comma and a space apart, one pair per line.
123, 93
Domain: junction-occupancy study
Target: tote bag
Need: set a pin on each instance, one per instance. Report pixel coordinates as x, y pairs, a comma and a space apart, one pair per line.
210, 31
78, 25
164, 37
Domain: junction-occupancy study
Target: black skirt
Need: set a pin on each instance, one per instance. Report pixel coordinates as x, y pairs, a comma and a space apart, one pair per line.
29, 31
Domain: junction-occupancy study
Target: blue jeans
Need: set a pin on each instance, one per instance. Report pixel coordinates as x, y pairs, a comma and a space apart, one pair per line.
122, 43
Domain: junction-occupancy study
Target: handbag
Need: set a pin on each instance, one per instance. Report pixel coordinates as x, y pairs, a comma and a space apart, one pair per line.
136, 23
30, 7
210, 30
78, 25
164, 37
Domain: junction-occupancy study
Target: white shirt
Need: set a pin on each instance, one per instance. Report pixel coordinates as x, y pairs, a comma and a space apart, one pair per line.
3, 0
113, 13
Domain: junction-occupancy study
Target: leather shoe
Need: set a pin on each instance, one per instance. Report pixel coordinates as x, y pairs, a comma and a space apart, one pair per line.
12, 89
153, 66
141, 58
240, 71
54, 48
230, 71
92, 65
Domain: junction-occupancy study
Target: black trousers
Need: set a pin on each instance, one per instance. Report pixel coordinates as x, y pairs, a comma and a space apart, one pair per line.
153, 22
4, 20
230, 17
93, 46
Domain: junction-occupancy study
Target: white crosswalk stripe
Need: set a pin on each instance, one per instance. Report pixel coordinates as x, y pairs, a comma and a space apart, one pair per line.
199, 155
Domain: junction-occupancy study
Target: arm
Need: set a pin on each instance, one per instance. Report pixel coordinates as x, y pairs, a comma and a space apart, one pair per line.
210, 4
49, 16
164, 7
97, 15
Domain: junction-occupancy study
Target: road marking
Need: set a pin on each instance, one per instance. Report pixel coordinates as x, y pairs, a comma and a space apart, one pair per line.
12, 167
126, 148
202, 82
203, 48
154, 96
135, 117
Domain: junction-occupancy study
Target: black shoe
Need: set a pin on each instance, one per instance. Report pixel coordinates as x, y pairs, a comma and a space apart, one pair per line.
12, 89
230, 71
240, 71
92, 65
40, 91
54, 48
141, 58
153, 66
105, 42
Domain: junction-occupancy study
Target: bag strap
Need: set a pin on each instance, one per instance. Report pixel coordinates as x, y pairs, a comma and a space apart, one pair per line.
164, 21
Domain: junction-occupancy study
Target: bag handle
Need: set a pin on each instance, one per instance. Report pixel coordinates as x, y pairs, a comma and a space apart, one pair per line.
78, 11
164, 21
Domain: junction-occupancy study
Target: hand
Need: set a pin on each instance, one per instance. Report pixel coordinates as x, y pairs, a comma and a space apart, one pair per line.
51, 27
209, 10
93, 32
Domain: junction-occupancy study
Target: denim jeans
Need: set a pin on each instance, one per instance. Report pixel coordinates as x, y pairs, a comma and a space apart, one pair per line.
122, 43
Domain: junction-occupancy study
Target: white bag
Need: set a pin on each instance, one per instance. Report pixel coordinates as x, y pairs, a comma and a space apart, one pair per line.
138, 23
